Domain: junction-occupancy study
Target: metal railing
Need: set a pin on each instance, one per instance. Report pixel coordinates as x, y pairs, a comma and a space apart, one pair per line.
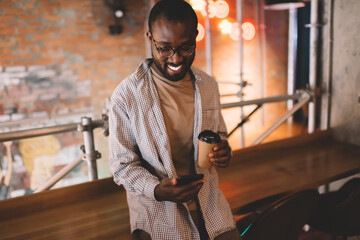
86, 126
302, 96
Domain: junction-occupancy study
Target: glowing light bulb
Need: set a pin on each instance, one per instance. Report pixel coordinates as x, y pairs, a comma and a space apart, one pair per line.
201, 33
225, 26
248, 31
211, 9
222, 9
235, 31
198, 5
119, 13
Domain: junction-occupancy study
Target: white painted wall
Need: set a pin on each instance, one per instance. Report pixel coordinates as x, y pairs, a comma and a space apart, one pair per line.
345, 68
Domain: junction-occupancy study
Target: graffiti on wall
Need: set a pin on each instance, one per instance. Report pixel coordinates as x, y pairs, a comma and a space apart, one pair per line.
33, 161
28, 91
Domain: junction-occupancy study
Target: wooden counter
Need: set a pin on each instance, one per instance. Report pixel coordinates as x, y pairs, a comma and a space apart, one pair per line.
98, 209
292, 164
92, 210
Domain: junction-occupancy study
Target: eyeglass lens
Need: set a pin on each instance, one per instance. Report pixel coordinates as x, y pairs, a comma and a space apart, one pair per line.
184, 51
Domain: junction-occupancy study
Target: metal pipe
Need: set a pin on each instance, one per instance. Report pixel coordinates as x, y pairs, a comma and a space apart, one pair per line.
43, 118
86, 125
239, 10
5, 185
244, 120
313, 59
16, 135
261, 52
306, 98
328, 45
208, 46
59, 175
292, 48
36, 132
263, 100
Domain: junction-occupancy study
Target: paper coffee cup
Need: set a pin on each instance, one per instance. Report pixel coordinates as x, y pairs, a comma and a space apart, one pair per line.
207, 140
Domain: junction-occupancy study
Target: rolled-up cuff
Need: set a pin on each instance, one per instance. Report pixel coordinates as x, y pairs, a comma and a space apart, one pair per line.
149, 189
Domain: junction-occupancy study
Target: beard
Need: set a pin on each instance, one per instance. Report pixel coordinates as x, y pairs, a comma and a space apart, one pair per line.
187, 62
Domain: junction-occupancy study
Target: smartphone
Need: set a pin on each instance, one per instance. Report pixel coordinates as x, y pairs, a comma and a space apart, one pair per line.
182, 180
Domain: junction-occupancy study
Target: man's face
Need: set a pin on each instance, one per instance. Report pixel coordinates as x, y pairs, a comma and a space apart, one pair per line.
178, 36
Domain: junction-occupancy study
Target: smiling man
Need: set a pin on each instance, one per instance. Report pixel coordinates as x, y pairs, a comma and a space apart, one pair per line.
169, 33
155, 117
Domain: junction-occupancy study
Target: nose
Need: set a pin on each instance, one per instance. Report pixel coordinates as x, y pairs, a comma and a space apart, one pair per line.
176, 58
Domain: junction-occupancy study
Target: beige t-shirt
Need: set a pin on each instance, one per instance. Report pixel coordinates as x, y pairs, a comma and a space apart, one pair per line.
177, 106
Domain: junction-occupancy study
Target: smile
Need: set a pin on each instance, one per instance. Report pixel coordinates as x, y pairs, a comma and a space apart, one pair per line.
174, 68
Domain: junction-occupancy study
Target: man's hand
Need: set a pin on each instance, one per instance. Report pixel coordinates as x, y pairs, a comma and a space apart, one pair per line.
167, 190
221, 154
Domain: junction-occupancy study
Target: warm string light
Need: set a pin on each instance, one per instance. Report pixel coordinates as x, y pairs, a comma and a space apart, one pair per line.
225, 26
247, 30
235, 31
198, 5
201, 33
220, 9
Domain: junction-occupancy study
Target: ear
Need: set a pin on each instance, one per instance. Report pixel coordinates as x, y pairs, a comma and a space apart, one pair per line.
148, 35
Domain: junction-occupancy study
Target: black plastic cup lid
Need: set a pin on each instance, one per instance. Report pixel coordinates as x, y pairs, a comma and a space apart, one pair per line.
209, 136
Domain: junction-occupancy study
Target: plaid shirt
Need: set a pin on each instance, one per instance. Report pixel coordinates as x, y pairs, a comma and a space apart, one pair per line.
140, 157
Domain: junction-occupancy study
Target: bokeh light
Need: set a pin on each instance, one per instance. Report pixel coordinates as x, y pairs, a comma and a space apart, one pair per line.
222, 9
219, 9
211, 9
235, 31
225, 26
201, 33
248, 31
198, 5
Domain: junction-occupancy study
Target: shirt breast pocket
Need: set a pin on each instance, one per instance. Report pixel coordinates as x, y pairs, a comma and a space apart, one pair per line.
210, 119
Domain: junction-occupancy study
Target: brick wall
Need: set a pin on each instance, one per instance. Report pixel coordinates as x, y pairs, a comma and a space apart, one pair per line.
59, 54
58, 62
29, 91
70, 42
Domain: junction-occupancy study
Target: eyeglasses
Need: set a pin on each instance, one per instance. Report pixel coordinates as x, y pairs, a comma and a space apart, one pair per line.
167, 52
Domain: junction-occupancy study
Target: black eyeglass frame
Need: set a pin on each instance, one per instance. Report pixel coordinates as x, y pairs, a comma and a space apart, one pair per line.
174, 50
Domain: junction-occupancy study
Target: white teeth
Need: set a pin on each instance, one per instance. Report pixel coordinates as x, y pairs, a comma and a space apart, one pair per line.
174, 68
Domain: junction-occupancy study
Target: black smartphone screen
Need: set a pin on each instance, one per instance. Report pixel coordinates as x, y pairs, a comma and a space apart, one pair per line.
182, 180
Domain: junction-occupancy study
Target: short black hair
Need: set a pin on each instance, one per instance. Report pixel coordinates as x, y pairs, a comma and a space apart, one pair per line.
173, 10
